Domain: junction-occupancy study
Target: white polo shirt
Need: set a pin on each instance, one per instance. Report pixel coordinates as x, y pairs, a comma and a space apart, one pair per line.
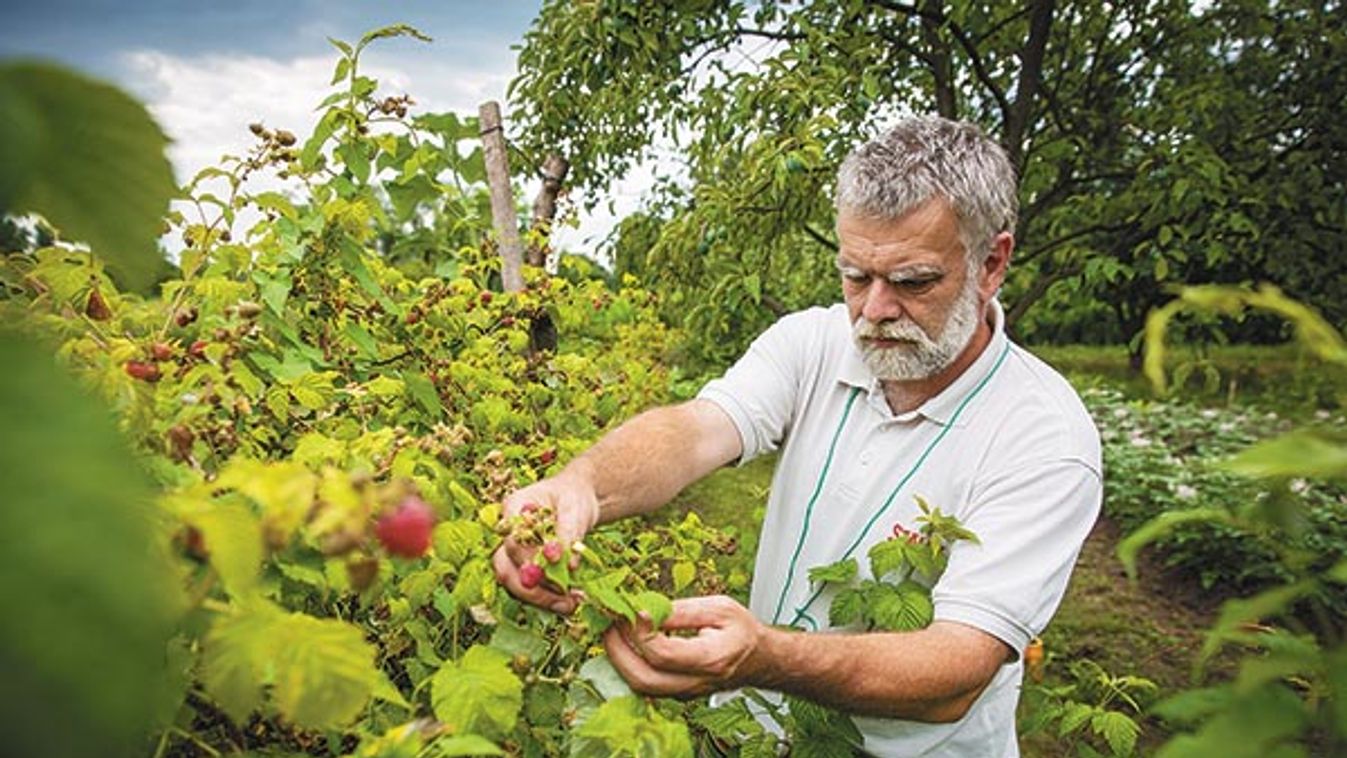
1008, 448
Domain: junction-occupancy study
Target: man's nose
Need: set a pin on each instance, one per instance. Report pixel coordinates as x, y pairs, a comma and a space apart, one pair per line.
881, 302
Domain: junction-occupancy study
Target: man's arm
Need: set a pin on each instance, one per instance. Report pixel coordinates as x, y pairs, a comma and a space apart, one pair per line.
645, 462
635, 468
931, 675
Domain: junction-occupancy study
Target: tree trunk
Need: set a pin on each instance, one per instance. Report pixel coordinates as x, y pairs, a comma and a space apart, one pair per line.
942, 69
545, 209
502, 197
1031, 73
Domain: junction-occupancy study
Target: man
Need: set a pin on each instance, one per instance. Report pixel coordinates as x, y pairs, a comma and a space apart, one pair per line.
909, 388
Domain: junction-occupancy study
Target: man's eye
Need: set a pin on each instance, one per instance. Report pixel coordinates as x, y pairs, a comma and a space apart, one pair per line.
855, 277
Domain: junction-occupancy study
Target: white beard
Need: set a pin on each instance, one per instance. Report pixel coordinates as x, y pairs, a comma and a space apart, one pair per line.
922, 357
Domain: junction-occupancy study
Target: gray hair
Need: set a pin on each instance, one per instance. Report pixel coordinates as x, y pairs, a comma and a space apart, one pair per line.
927, 157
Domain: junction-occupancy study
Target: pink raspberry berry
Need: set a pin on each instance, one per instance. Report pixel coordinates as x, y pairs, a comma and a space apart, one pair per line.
530, 575
552, 551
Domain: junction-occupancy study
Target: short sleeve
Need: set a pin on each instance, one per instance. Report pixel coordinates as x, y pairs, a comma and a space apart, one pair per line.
761, 391
1031, 522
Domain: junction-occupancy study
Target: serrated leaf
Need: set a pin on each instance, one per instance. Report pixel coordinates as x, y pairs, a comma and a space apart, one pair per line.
653, 604
729, 721
465, 745
599, 672
424, 393
626, 725
604, 591
887, 557
1074, 716
234, 656
1118, 730
90, 159
684, 572
904, 608
478, 693
840, 572
512, 639
325, 671
233, 537
456, 541
847, 608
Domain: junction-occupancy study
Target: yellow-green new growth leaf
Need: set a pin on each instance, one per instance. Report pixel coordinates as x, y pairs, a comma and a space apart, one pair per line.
478, 693
683, 573
456, 541
626, 726
233, 537
653, 604
321, 671
89, 158
1118, 730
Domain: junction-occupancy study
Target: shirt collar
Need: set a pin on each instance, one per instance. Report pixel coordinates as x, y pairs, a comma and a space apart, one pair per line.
941, 408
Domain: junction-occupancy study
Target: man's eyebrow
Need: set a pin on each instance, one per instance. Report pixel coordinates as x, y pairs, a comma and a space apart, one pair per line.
915, 271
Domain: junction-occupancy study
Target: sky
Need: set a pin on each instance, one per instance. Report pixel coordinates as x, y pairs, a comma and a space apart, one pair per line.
206, 69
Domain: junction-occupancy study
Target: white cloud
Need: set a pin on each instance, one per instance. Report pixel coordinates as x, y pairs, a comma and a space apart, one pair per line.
205, 104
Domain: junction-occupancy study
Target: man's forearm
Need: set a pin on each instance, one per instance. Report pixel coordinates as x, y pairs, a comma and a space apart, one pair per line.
932, 675
649, 459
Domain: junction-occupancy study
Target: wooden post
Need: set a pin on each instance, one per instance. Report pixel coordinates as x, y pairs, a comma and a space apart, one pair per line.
545, 207
502, 196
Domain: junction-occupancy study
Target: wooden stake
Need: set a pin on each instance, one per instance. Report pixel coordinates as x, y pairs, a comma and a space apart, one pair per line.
502, 196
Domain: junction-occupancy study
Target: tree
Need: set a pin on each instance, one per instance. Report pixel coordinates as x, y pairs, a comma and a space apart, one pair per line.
1135, 168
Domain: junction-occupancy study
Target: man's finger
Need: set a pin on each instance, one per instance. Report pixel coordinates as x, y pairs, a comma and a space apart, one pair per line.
643, 677
507, 573
699, 612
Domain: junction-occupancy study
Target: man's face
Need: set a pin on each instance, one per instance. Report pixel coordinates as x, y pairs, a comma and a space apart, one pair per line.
913, 299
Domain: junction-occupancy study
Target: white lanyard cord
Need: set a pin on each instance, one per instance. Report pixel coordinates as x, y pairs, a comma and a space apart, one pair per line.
801, 612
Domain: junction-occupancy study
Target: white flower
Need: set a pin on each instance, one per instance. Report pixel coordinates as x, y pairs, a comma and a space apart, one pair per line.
1139, 441
1119, 412
1185, 492
1271, 416
1210, 413
189, 398
1225, 427
1298, 486
1322, 414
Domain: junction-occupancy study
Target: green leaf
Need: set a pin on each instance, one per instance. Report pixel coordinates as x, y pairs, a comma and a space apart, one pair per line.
465, 745
904, 608
1192, 706
233, 537
730, 721
1118, 730
627, 726
840, 572
1304, 452
887, 557
599, 672
847, 608
90, 159
90, 594
456, 541
478, 693
325, 671
684, 572
236, 652
1161, 525
1074, 716
653, 604
604, 591
424, 393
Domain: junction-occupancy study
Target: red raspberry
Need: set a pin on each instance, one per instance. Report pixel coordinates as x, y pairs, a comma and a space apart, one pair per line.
406, 531
146, 372
552, 551
161, 351
530, 575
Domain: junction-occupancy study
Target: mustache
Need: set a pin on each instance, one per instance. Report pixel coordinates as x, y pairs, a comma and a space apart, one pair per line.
890, 330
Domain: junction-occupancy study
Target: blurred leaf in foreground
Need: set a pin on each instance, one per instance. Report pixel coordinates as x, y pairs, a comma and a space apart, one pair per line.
86, 592
90, 159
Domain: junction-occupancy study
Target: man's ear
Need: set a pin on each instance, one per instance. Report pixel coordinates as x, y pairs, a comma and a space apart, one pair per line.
992, 272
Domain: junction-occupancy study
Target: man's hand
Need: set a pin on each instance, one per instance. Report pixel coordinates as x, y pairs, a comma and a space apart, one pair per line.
577, 510
725, 653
